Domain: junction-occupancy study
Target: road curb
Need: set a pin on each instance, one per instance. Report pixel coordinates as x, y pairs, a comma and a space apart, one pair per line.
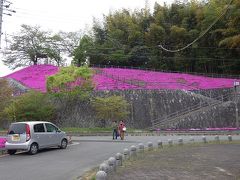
135, 151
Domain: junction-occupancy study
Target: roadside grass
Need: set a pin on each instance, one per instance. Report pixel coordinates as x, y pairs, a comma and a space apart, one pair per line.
94, 130
89, 175
144, 160
76, 130
3, 131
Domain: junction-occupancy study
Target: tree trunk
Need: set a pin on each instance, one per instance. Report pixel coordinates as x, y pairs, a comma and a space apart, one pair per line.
35, 60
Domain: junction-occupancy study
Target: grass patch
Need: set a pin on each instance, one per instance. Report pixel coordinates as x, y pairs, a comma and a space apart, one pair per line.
94, 130
89, 175
86, 130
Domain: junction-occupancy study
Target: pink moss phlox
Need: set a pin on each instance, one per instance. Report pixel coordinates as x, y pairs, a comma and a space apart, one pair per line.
35, 76
2, 142
123, 79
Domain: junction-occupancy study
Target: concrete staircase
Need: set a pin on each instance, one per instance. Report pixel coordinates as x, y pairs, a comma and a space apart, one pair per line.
206, 103
18, 88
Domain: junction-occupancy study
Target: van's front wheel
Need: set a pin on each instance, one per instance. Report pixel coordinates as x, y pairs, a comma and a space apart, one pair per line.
64, 144
11, 152
33, 149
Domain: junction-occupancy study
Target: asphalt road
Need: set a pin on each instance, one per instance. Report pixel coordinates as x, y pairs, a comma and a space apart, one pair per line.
69, 164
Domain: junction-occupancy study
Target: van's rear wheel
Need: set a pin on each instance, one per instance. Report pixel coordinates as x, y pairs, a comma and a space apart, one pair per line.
33, 149
11, 152
64, 144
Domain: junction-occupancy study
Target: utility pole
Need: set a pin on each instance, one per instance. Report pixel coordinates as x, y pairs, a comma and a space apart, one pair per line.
4, 5
1, 14
236, 84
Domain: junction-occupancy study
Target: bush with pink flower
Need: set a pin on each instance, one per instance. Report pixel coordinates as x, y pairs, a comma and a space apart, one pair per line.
2, 142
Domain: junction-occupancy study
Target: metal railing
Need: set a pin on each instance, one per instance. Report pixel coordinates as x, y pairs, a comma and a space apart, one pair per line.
140, 84
213, 75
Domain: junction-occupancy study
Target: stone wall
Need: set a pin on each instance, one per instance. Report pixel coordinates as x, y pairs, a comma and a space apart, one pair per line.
222, 115
146, 106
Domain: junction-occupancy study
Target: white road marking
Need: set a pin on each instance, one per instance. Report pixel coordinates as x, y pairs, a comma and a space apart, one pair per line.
223, 170
73, 144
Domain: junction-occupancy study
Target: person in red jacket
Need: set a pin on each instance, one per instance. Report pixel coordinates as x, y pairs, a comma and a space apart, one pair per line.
121, 129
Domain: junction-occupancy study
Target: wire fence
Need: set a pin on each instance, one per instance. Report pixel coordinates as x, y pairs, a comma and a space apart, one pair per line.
213, 75
124, 82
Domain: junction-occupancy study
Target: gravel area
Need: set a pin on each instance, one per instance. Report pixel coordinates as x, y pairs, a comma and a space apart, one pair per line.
188, 162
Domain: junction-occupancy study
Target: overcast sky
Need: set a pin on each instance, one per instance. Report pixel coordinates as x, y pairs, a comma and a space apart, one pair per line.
56, 15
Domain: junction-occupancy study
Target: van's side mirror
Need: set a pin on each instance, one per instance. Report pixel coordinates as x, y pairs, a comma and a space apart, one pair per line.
58, 131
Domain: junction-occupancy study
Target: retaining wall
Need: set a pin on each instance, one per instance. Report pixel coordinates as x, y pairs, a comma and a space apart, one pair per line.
148, 105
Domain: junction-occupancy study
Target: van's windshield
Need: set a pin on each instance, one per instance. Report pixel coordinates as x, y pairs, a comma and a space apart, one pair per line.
17, 128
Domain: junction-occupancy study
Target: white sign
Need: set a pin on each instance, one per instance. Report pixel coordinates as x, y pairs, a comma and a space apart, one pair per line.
236, 83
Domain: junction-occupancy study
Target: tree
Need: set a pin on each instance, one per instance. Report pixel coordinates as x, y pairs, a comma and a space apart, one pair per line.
70, 78
27, 47
68, 41
62, 43
111, 108
133, 37
5, 95
32, 106
81, 52
34, 46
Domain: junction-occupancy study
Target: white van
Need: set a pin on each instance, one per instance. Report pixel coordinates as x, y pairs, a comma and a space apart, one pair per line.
34, 135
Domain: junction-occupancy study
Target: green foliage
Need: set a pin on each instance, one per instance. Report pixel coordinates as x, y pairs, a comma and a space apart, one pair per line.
86, 130
81, 52
32, 106
111, 108
5, 93
61, 82
95, 129
132, 38
5, 96
31, 45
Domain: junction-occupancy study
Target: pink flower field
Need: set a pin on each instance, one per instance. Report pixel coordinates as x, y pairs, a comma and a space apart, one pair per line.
2, 142
122, 79
35, 76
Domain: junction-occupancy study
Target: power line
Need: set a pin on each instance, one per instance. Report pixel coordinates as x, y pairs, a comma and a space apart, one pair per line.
202, 34
52, 19
42, 15
119, 48
166, 58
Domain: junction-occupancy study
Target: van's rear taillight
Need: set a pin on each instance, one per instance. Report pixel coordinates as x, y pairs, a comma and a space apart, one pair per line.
28, 135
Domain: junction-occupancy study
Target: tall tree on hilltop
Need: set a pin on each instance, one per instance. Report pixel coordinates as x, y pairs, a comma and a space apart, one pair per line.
81, 53
27, 47
32, 46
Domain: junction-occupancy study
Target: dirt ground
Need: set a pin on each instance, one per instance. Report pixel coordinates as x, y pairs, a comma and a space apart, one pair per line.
188, 162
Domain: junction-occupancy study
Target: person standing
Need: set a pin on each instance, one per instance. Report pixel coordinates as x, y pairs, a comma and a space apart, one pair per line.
121, 129
115, 129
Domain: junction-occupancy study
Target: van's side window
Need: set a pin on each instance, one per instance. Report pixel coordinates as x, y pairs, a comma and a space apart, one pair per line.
51, 128
38, 128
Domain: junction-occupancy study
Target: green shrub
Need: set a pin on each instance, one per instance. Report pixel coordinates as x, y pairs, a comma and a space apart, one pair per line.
32, 106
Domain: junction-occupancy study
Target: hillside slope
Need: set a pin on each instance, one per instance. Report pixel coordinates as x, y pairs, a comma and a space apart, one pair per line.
35, 77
